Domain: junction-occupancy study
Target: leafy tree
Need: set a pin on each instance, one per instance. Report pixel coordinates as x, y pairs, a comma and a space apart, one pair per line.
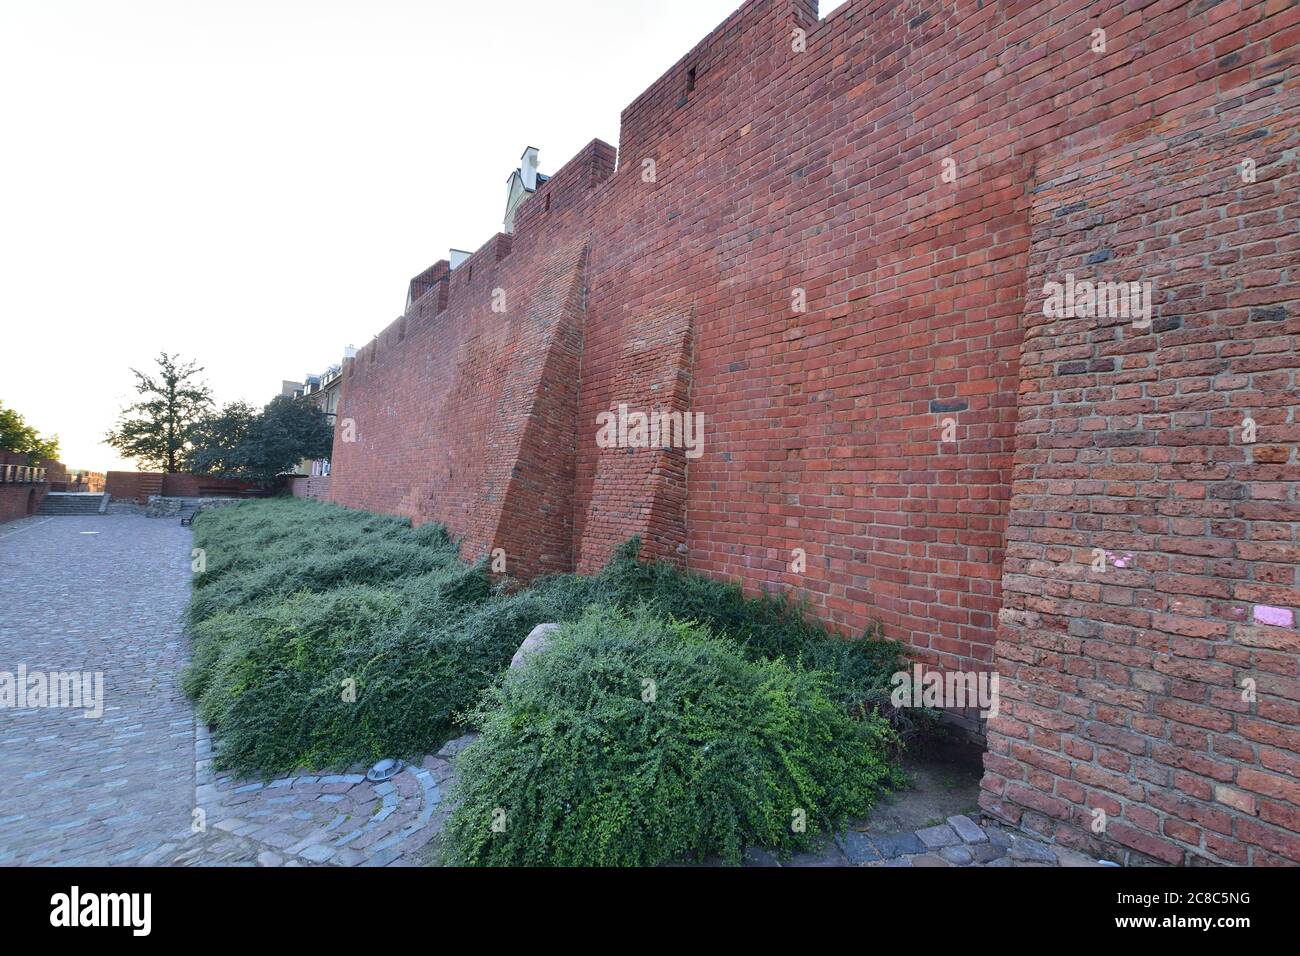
17, 436
43, 448
217, 441
241, 443
288, 431
155, 431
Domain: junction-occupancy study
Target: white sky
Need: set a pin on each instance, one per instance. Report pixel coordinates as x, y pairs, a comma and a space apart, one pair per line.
251, 183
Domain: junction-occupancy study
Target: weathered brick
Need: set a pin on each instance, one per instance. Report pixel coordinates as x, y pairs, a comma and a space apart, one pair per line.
1235, 799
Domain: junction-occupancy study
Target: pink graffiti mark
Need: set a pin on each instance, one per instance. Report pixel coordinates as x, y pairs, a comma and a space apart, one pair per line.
1275, 616
1118, 561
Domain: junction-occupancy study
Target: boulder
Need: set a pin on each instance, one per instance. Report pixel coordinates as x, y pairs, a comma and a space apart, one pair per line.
535, 642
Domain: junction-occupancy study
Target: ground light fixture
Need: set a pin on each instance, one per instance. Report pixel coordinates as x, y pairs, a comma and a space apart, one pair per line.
385, 770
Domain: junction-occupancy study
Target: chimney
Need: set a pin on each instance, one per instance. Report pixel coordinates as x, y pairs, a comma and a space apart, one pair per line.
528, 168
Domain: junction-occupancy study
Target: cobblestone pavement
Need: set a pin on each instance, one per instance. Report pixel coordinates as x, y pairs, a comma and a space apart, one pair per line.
340, 819
106, 593
95, 593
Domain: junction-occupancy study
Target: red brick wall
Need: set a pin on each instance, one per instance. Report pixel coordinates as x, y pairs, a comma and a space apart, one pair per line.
821, 171
1125, 690
466, 415
139, 485
19, 501
56, 474
184, 485
317, 488
133, 485
822, 426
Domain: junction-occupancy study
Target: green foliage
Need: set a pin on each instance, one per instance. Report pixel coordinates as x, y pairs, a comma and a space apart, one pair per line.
767, 626
375, 562
288, 431
299, 596
271, 678
17, 436
593, 766
155, 431
217, 440
241, 443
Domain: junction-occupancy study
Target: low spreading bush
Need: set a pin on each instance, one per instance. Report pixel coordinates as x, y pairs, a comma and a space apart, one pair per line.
271, 679
636, 741
272, 549
299, 597
766, 626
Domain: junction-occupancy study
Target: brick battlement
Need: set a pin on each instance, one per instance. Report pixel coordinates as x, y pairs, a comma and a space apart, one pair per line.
948, 458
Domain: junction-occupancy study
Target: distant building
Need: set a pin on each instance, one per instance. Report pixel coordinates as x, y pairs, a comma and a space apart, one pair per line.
523, 182
323, 391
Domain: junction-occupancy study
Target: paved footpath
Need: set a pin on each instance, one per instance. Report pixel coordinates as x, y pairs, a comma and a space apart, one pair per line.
95, 593
107, 594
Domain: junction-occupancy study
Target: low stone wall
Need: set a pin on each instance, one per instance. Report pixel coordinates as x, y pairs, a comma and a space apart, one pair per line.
166, 507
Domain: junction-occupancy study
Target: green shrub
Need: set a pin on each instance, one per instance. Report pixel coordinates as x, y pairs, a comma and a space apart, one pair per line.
271, 679
299, 596
766, 626
727, 752
271, 549
288, 619
373, 564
